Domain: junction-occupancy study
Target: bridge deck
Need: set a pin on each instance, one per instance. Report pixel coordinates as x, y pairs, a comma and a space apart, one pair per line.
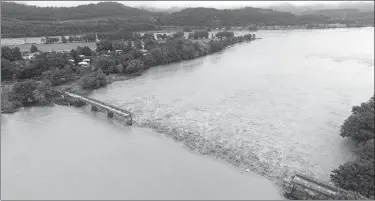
309, 186
100, 104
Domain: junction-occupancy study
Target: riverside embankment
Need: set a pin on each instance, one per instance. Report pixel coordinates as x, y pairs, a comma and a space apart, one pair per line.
273, 107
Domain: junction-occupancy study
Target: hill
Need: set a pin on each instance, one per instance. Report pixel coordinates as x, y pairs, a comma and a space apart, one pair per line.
299, 9
29, 21
345, 14
103, 9
20, 20
237, 17
162, 10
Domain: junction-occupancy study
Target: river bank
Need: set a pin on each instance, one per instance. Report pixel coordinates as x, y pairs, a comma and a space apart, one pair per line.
75, 85
277, 100
106, 160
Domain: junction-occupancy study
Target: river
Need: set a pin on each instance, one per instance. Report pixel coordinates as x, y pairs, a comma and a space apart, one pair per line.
281, 99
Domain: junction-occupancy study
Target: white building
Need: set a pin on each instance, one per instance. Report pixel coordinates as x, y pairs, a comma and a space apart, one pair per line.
83, 64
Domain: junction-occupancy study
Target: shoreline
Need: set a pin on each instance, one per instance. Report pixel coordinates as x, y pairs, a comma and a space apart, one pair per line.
74, 86
212, 29
216, 148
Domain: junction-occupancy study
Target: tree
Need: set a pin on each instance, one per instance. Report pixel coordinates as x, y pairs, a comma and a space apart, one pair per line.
17, 53
75, 56
6, 69
225, 34
6, 53
200, 34
150, 44
33, 49
148, 61
172, 53
94, 80
43, 92
191, 36
366, 152
356, 176
63, 39
119, 68
138, 44
148, 36
159, 56
70, 39
188, 52
178, 35
105, 45
360, 125
215, 46
247, 36
22, 92
84, 51
359, 175
187, 29
134, 66
106, 64
11, 54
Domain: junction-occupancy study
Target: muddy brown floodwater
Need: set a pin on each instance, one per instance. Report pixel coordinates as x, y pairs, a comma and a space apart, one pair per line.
278, 103
69, 153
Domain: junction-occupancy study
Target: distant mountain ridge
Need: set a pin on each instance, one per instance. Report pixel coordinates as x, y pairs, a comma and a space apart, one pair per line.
345, 14
236, 17
20, 20
102, 9
166, 10
360, 6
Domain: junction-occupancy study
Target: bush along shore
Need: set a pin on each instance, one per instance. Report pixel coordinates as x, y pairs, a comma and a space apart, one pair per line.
355, 179
42, 79
82, 69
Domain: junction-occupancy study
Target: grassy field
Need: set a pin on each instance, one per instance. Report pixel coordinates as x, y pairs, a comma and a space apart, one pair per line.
55, 47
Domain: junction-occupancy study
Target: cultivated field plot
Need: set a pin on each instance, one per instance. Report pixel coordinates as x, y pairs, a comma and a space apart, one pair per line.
55, 46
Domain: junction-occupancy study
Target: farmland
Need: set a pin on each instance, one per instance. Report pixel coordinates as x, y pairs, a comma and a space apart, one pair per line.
55, 46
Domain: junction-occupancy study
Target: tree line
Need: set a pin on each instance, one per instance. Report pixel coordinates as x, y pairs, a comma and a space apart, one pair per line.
358, 175
56, 68
102, 9
30, 21
16, 29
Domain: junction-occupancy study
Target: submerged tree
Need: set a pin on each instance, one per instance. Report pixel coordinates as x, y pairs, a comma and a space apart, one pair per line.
33, 49
356, 176
360, 125
359, 175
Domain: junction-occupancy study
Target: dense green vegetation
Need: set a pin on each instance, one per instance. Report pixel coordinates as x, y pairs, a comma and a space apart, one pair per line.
351, 14
359, 175
27, 21
94, 80
56, 68
103, 9
28, 93
10, 54
237, 17
33, 49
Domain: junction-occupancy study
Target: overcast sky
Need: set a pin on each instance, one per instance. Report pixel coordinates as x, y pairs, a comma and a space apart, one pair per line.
168, 4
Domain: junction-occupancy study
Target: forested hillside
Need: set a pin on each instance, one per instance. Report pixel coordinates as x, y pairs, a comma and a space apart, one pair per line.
103, 9
347, 14
226, 17
30, 21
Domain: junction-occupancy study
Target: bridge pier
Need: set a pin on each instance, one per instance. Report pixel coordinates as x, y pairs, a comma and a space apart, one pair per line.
129, 120
109, 114
94, 108
97, 105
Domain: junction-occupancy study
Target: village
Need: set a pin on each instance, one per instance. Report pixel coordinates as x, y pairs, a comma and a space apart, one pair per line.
136, 42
